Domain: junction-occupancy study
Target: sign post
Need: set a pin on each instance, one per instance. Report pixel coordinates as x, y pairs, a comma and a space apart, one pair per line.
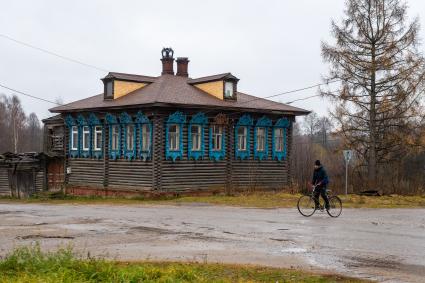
348, 154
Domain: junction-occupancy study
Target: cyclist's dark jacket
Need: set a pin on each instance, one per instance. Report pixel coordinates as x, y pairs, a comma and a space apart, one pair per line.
320, 176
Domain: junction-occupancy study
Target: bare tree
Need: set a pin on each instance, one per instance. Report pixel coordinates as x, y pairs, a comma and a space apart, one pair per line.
324, 129
18, 132
16, 120
381, 71
4, 136
310, 124
33, 132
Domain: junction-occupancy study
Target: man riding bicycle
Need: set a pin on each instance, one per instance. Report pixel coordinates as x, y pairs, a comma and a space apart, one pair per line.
320, 180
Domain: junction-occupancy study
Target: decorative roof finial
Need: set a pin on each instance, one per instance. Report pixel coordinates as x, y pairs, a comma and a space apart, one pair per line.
167, 52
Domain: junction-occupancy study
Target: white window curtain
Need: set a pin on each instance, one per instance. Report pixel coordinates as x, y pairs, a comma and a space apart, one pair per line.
278, 136
115, 137
97, 138
261, 139
173, 137
74, 138
195, 131
130, 137
146, 137
217, 133
242, 136
86, 138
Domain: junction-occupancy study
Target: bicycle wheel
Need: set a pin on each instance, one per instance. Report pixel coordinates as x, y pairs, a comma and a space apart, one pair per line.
306, 206
335, 206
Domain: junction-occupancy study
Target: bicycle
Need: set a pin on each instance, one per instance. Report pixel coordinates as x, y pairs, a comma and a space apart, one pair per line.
307, 207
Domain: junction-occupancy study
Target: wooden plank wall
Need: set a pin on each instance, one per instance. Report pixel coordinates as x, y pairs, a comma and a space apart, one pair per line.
39, 181
4, 182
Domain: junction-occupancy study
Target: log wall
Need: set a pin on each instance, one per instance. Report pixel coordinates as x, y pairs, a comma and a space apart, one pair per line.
160, 175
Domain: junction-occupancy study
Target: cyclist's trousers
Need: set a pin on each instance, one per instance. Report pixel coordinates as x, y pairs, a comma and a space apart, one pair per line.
321, 191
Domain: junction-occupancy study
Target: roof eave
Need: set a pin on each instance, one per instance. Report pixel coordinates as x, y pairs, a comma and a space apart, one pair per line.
300, 112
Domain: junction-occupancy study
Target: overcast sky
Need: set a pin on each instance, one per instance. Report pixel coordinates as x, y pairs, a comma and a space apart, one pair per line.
271, 46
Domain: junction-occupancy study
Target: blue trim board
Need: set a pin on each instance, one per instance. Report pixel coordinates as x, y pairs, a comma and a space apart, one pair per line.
141, 120
201, 120
217, 155
282, 123
177, 118
265, 123
70, 122
244, 121
93, 121
111, 120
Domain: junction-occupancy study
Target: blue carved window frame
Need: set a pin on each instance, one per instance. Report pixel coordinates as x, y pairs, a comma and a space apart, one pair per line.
141, 120
125, 121
200, 120
282, 123
265, 123
247, 122
94, 122
70, 123
216, 155
82, 122
177, 118
112, 121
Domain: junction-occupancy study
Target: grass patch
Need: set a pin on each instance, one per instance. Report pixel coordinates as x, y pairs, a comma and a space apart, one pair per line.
255, 199
30, 264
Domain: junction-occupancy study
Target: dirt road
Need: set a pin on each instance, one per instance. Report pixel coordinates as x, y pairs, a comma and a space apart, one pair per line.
381, 244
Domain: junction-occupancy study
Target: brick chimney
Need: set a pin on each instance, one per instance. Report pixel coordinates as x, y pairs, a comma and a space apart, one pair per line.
182, 63
167, 61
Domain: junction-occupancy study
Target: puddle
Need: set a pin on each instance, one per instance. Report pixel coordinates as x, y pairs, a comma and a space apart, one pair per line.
293, 250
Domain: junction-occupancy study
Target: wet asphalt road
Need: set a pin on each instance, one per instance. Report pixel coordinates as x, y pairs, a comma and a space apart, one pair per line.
380, 244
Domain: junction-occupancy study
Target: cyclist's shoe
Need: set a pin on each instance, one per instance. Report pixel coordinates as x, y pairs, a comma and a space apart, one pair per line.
327, 207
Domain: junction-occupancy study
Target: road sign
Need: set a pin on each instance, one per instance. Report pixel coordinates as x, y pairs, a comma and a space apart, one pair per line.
348, 154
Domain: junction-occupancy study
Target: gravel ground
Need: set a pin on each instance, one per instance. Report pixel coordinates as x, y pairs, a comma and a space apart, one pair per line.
380, 244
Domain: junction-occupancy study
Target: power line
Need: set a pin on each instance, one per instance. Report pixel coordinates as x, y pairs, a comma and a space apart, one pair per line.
312, 96
305, 98
104, 70
29, 95
286, 92
53, 53
293, 91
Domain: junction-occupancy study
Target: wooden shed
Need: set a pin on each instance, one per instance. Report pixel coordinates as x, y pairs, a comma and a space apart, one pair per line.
173, 133
22, 175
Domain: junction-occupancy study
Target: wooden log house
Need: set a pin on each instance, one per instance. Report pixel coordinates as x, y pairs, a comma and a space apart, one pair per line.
172, 134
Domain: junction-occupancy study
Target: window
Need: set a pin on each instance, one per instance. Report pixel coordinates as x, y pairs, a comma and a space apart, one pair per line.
115, 137
74, 138
173, 137
242, 138
195, 132
86, 138
97, 138
217, 134
278, 136
228, 89
146, 137
261, 139
109, 89
130, 137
